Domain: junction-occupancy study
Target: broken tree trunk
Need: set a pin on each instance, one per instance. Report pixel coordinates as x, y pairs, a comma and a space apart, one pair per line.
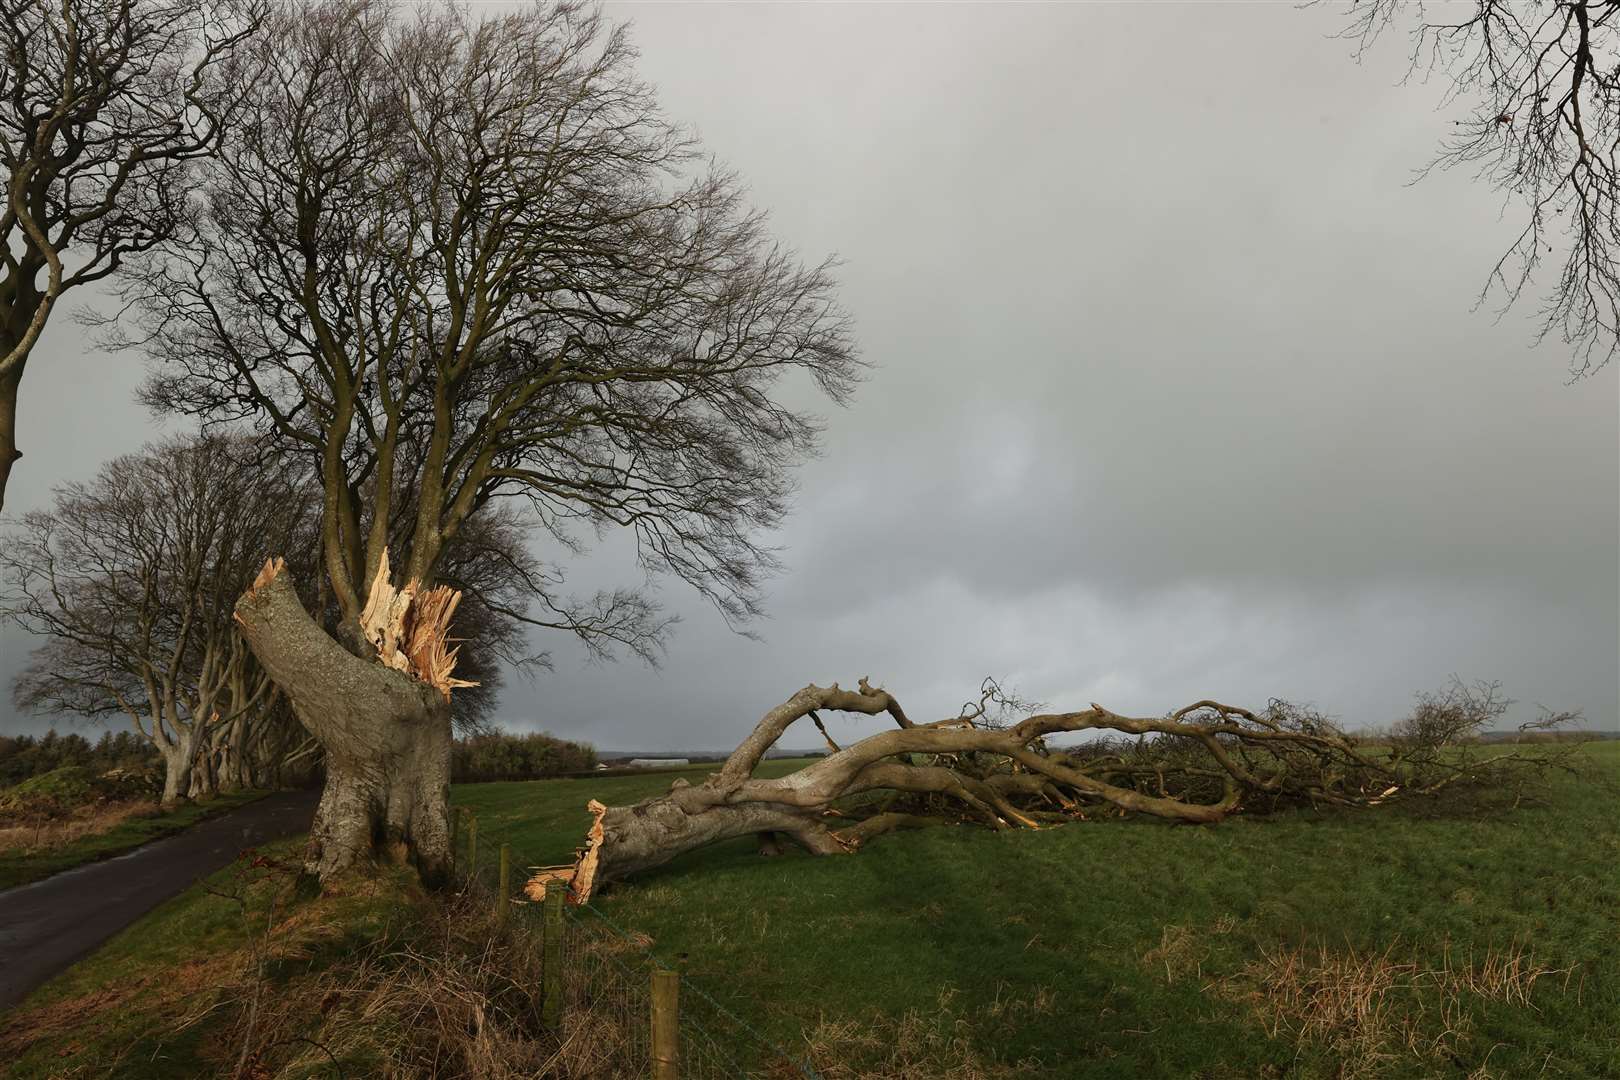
384, 723
1197, 765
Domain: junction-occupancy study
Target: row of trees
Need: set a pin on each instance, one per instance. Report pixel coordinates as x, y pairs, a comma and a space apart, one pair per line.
130, 579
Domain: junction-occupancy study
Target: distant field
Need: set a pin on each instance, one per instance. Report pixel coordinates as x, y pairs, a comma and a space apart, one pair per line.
1383, 943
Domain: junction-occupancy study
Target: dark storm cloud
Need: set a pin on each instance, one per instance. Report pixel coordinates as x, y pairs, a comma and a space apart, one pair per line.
1177, 389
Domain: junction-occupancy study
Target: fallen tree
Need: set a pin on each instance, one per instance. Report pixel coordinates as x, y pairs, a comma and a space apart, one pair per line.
1199, 765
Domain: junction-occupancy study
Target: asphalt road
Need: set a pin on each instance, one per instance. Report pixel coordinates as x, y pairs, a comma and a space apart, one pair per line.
47, 925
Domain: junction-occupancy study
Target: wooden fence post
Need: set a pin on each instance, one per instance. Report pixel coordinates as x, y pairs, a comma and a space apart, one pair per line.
503, 891
551, 1002
472, 845
666, 1024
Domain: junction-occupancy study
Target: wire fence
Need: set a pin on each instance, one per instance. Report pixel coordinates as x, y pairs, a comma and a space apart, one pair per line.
618, 1011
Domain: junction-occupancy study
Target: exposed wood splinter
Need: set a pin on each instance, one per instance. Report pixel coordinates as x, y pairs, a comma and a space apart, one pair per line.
579, 878
410, 629
834, 747
267, 573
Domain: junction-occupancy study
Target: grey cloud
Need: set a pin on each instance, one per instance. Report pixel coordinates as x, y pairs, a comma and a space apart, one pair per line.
1177, 388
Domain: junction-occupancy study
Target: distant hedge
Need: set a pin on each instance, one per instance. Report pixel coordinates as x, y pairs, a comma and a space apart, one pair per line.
499, 756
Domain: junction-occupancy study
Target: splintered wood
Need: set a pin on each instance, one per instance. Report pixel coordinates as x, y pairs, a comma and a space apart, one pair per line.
580, 877
410, 629
267, 573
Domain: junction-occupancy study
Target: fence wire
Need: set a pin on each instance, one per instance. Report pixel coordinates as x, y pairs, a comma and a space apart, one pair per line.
605, 973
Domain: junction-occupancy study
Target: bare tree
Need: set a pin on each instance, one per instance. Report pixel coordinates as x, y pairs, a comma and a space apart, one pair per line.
1198, 765
102, 105
132, 578
1542, 92
450, 259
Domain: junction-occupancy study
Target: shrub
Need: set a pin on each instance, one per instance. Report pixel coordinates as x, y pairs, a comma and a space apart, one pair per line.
50, 795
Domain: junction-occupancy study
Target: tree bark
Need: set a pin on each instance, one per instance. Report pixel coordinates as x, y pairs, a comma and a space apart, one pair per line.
206, 771
652, 832
386, 737
10, 381
179, 757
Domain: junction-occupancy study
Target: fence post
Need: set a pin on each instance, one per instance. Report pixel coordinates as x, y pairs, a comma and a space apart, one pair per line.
552, 968
666, 1024
503, 891
472, 846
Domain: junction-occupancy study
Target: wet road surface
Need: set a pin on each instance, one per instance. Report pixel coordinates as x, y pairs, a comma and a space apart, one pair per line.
47, 925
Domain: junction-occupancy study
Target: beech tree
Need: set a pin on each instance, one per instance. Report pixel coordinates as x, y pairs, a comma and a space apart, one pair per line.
1541, 93
1199, 765
449, 259
102, 105
131, 579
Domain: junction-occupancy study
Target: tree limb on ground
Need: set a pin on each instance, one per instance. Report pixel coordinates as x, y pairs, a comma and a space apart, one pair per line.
1199, 765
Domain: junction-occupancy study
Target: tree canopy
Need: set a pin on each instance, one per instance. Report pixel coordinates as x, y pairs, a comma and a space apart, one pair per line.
103, 106
1540, 86
450, 258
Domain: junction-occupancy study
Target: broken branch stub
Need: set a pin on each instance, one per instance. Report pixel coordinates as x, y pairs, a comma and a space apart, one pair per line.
1199, 764
382, 720
578, 877
410, 629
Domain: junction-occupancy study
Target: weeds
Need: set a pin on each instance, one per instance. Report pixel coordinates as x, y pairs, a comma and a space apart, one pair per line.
1372, 1010
917, 1046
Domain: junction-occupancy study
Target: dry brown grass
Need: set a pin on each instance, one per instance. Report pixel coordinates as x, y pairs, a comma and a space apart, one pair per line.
91, 820
919, 1046
1181, 952
1374, 1011
446, 995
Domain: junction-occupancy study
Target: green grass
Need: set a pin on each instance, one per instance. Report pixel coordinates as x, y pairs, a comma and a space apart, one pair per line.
21, 868
1117, 949
1044, 942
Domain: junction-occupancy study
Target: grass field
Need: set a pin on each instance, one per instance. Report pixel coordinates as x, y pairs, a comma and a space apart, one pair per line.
19, 867
1389, 942
1386, 943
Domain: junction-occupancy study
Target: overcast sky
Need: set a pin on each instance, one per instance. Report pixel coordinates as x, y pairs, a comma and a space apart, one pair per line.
1177, 391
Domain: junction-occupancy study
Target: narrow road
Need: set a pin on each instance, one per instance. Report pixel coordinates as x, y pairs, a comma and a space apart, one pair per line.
47, 925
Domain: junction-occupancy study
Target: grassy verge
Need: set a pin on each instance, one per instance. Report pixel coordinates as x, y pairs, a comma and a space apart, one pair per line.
1384, 943
167, 996
21, 867
247, 977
